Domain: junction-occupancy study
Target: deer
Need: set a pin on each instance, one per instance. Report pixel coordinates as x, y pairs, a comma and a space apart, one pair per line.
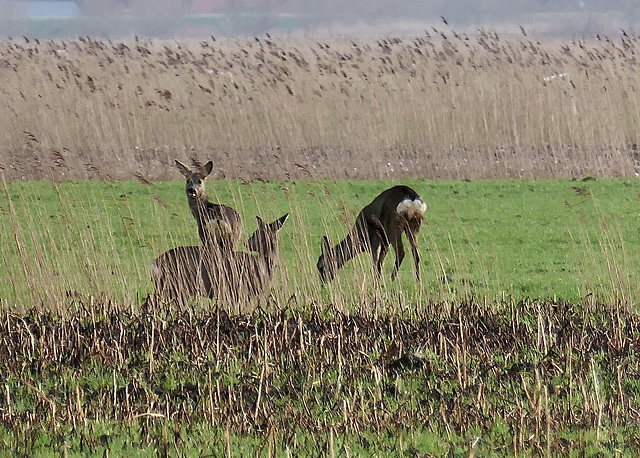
235, 276
218, 225
395, 211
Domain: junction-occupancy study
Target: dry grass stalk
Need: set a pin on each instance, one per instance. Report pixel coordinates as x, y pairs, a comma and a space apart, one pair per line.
464, 359
457, 106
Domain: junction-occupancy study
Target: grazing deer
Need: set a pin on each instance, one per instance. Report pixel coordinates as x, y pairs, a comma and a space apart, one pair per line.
218, 225
379, 224
237, 277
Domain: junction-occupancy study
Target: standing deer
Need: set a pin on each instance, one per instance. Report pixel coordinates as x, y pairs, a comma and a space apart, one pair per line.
380, 224
218, 225
234, 276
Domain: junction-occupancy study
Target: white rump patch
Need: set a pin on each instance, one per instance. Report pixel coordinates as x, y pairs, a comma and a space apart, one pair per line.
412, 209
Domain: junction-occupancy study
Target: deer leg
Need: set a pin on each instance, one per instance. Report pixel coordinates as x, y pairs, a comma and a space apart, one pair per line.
411, 235
396, 241
379, 248
384, 249
398, 247
377, 254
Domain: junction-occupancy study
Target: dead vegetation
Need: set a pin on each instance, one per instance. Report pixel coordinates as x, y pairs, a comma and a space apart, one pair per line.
541, 368
441, 105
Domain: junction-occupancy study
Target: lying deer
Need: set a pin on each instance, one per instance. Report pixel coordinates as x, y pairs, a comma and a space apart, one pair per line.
188, 271
379, 224
218, 225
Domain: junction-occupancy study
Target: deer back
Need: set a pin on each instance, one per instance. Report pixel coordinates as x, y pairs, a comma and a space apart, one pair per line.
219, 225
239, 278
176, 274
396, 201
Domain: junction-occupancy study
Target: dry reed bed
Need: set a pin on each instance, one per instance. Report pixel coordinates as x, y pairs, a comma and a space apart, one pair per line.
442, 105
538, 367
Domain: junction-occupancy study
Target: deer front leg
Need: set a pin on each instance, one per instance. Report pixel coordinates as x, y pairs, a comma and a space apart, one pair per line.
376, 255
382, 254
379, 249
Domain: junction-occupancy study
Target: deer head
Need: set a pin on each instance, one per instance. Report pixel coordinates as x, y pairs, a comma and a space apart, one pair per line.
264, 239
195, 180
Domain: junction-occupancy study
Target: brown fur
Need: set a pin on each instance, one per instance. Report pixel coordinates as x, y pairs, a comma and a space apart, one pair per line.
237, 277
217, 224
395, 211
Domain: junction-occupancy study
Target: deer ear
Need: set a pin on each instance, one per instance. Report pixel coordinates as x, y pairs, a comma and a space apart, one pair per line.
208, 167
184, 170
326, 247
280, 221
259, 220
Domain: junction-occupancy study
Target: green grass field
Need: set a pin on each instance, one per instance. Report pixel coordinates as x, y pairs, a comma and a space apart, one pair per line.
520, 338
483, 239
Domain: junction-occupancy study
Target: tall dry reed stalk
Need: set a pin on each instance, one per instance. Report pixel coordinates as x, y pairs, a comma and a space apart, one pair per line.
438, 105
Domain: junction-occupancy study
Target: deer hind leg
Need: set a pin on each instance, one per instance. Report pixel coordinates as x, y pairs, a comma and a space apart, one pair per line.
411, 228
412, 234
398, 247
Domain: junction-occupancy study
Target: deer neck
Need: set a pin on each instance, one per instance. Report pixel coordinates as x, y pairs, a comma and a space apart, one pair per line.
269, 261
346, 251
198, 205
